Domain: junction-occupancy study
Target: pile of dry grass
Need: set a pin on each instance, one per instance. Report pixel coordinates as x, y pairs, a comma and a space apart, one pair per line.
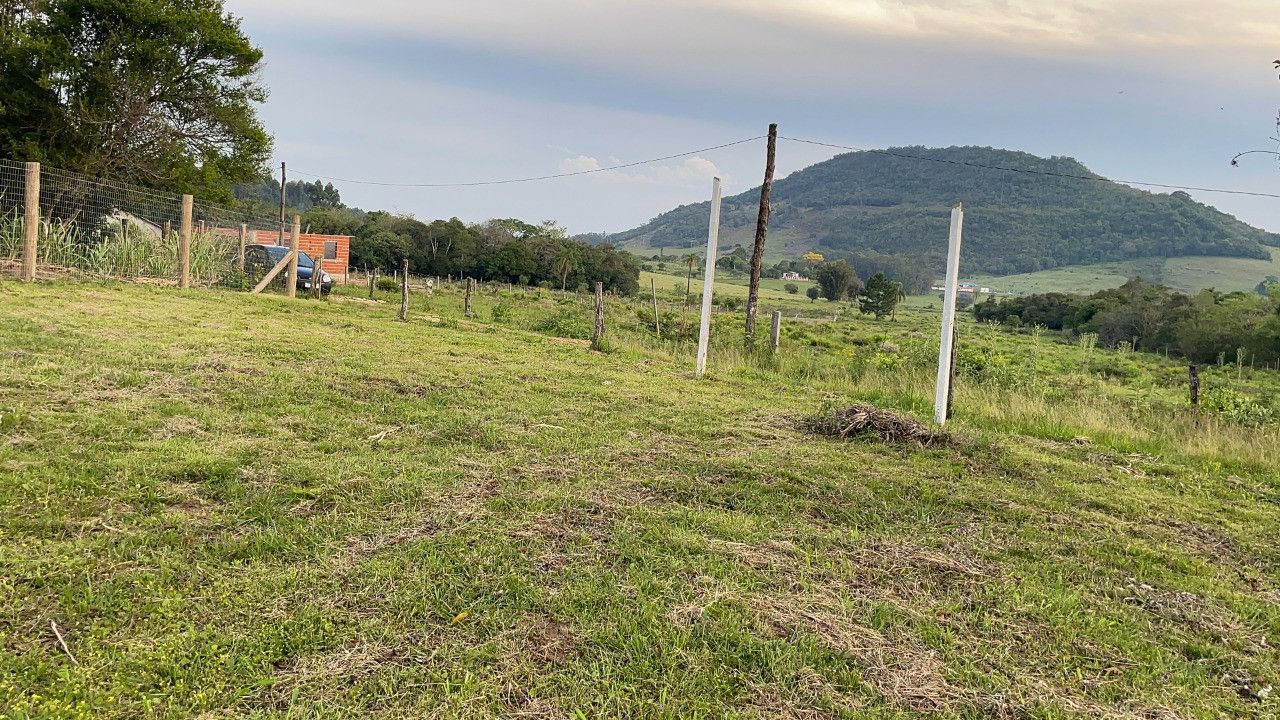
860, 420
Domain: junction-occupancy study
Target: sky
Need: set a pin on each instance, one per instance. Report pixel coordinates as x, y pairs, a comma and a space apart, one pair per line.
431, 92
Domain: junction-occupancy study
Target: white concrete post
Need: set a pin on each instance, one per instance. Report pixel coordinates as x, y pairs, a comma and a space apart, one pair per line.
948, 316
713, 239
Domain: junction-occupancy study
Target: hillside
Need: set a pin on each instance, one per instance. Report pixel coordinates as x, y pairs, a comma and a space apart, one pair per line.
221, 505
1015, 222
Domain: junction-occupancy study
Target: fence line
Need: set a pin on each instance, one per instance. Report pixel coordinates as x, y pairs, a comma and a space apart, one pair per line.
56, 222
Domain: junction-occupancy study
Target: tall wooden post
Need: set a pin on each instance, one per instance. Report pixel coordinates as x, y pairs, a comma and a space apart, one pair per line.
168, 230
291, 285
657, 323
373, 275
947, 341
184, 245
688, 283
244, 236
775, 331
762, 226
317, 272
466, 300
597, 332
713, 240
404, 290
31, 223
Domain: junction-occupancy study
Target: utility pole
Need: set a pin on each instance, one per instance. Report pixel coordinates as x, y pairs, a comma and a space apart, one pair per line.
762, 226
280, 240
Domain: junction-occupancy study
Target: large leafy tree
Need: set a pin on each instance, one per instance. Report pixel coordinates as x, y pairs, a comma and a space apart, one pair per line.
157, 92
880, 296
837, 280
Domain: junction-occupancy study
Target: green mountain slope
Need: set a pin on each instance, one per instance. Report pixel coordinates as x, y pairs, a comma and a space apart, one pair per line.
1015, 222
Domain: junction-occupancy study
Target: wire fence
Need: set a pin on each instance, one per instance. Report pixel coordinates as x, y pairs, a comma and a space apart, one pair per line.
99, 228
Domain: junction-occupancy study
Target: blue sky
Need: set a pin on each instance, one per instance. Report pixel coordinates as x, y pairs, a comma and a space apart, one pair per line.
431, 92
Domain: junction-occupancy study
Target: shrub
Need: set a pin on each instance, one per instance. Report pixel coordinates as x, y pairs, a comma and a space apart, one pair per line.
791, 288
387, 284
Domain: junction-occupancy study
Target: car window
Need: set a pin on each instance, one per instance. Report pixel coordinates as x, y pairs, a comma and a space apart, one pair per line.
304, 260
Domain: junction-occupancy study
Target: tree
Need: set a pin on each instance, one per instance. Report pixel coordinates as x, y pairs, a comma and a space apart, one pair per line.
837, 280
791, 288
161, 93
880, 297
813, 292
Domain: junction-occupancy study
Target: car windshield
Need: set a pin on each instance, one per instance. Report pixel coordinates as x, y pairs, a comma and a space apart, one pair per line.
277, 253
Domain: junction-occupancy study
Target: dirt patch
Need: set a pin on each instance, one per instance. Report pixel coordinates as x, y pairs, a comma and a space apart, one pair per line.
550, 642
861, 420
399, 387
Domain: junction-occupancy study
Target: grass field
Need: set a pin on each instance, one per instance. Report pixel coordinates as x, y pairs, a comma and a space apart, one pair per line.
243, 506
1186, 274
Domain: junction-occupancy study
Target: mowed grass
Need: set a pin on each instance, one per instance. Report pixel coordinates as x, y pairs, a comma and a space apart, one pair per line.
245, 506
1189, 274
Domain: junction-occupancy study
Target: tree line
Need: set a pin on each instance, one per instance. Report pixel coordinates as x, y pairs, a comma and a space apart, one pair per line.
1201, 327
503, 250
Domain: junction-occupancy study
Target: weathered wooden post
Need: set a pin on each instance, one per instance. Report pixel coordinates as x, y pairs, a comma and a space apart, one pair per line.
708, 281
775, 331
597, 332
184, 245
762, 225
168, 230
317, 272
466, 300
404, 290
657, 323
1193, 377
244, 236
31, 224
291, 285
373, 274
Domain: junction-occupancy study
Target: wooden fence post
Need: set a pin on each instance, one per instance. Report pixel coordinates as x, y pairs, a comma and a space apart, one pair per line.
373, 277
1193, 376
775, 331
597, 333
244, 235
317, 272
404, 290
291, 285
31, 226
466, 300
184, 245
657, 324
168, 230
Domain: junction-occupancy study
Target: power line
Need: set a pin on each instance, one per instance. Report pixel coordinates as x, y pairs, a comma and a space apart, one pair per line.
537, 178
1048, 173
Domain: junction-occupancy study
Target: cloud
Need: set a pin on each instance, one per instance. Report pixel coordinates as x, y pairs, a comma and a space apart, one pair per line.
693, 172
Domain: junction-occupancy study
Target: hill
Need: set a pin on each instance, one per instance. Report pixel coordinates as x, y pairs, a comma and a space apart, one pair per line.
1016, 222
224, 505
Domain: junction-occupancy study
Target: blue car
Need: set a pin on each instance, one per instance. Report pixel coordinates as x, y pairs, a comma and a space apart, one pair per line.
259, 259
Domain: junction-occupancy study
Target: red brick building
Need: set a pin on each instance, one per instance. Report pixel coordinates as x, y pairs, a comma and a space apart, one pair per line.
332, 251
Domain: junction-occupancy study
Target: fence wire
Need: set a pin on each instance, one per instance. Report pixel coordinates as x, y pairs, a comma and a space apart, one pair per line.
116, 230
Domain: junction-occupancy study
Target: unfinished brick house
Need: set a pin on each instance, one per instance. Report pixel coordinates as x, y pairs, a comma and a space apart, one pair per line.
332, 251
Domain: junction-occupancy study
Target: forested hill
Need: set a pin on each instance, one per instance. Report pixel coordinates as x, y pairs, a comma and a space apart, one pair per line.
1014, 222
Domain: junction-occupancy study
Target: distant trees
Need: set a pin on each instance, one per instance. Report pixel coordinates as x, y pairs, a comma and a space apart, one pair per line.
160, 93
880, 297
505, 250
1153, 317
813, 293
837, 280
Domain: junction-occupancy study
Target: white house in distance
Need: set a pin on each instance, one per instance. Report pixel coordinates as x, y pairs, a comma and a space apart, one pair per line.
793, 275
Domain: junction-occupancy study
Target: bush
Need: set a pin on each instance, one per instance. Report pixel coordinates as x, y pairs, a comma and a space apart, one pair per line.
387, 284
791, 288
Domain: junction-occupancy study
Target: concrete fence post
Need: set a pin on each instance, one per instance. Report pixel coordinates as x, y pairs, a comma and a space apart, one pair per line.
31, 227
184, 245
775, 331
597, 332
404, 290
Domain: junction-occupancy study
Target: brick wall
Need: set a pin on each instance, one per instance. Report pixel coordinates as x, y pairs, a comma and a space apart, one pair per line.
314, 245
